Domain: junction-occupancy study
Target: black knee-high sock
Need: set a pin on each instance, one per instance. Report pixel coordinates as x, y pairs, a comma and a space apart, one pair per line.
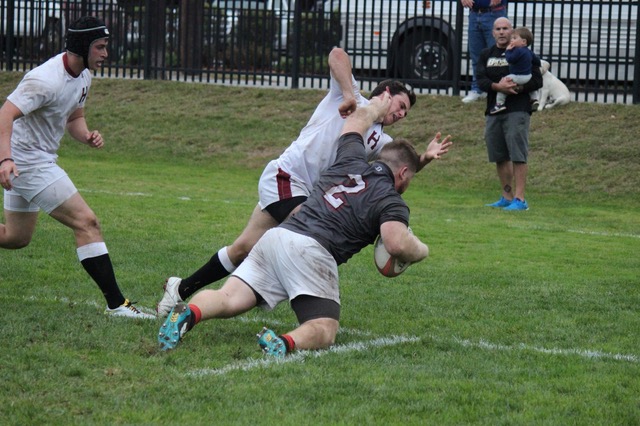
101, 270
209, 272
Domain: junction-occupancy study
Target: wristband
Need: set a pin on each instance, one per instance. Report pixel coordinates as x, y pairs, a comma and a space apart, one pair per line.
7, 159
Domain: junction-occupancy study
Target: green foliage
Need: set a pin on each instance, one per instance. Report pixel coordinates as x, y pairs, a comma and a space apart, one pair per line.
525, 318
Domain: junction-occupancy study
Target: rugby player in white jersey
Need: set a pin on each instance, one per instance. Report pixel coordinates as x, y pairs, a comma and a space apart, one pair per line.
287, 181
49, 99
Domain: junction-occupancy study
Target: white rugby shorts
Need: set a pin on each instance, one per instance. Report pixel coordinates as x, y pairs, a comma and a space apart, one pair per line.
276, 185
44, 186
284, 265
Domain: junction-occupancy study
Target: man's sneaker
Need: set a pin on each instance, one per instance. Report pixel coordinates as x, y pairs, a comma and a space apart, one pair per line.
501, 203
473, 96
174, 327
517, 204
170, 298
271, 344
128, 310
535, 104
497, 108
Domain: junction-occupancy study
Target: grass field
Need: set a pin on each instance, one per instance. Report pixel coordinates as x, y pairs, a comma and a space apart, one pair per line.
519, 318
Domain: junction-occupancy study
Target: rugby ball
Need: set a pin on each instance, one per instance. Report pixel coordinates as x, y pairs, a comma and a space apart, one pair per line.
387, 265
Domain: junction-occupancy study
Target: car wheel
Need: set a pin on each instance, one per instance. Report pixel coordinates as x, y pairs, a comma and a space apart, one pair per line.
425, 55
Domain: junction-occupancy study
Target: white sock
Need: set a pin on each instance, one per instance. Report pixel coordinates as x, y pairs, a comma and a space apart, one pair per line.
225, 261
91, 250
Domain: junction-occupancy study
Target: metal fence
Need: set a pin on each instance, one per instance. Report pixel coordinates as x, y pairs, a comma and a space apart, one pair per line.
592, 45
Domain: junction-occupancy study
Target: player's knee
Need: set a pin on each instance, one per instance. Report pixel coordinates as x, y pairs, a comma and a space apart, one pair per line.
326, 331
90, 224
16, 242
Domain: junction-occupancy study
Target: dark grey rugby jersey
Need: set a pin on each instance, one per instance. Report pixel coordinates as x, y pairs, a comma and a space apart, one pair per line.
350, 202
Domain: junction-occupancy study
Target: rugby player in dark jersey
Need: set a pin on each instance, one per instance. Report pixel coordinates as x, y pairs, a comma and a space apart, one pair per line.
352, 203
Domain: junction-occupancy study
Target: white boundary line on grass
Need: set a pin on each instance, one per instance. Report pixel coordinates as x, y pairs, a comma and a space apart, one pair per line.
577, 231
300, 356
584, 353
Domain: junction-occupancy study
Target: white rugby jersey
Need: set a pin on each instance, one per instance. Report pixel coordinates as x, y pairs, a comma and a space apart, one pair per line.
315, 149
47, 96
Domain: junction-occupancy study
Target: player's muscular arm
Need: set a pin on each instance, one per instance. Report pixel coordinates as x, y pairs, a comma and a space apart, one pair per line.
77, 125
8, 114
401, 243
340, 66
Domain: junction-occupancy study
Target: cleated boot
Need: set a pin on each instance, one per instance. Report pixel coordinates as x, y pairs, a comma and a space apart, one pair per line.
174, 327
271, 344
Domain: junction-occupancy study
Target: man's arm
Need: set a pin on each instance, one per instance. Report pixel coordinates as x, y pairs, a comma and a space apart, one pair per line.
8, 114
401, 243
362, 119
77, 127
435, 150
340, 67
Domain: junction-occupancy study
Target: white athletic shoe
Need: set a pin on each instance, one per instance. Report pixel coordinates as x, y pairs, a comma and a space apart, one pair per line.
127, 310
170, 298
473, 96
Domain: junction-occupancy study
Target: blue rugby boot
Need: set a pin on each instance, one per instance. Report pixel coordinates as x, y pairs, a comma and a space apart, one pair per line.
174, 327
516, 205
501, 203
271, 344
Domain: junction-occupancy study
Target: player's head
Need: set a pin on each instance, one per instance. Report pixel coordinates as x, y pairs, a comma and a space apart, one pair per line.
402, 99
402, 159
82, 33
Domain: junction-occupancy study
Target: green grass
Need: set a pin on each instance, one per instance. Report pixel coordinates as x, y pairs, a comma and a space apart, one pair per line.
526, 318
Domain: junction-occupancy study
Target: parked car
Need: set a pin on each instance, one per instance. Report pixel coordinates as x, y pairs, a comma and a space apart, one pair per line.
418, 40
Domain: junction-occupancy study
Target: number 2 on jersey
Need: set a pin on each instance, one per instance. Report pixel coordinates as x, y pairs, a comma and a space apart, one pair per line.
333, 195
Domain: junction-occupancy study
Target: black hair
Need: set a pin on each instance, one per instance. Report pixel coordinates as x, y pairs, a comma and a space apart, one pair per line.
395, 87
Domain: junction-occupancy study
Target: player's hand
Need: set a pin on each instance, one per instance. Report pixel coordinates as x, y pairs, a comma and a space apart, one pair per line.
94, 139
436, 149
381, 104
347, 107
6, 169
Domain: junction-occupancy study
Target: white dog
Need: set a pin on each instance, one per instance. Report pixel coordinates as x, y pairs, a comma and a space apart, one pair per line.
553, 92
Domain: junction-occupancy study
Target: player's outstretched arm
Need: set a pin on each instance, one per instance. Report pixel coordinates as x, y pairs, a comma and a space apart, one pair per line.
435, 150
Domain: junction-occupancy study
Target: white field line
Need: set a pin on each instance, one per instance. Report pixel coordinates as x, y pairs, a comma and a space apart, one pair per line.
603, 234
584, 353
577, 231
300, 356
144, 194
